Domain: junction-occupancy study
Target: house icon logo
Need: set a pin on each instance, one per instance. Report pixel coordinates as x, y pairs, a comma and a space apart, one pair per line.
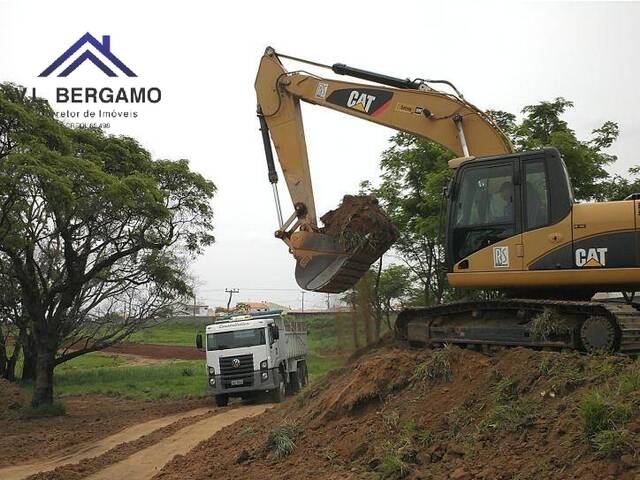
106, 61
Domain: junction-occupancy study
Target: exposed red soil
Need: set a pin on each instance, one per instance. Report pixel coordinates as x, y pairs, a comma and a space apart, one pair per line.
360, 224
156, 351
351, 423
87, 418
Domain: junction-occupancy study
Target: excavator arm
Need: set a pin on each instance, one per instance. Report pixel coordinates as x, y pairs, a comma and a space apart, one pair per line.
406, 105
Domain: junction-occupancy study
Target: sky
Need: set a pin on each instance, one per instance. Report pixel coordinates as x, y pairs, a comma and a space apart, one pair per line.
203, 56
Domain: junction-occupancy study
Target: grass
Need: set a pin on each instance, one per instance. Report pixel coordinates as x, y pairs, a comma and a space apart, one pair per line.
546, 325
395, 462
508, 411
601, 411
172, 379
512, 416
612, 443
172, 333
281, 440
436, 368
604, 414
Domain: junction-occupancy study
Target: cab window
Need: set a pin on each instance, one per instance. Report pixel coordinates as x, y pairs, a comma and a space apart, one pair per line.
536, 195
484, 208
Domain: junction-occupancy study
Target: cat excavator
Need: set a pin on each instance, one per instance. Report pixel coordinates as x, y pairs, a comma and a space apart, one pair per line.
512, 224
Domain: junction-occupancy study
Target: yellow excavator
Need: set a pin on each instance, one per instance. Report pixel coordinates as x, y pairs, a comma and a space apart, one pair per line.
512, 224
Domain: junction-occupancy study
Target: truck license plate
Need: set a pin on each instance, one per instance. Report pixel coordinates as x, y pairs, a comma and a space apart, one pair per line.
237, 382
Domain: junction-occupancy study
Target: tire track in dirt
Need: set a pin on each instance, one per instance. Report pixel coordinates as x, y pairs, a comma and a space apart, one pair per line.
78, 453
146, 463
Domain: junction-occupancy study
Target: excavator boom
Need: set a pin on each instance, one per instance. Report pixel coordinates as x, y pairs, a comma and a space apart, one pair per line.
413, 106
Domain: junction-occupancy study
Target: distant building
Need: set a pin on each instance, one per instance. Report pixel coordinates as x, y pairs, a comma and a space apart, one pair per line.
260, 306
188, 310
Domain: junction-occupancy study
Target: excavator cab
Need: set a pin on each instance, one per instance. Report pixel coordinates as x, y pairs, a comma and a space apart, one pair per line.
506, 213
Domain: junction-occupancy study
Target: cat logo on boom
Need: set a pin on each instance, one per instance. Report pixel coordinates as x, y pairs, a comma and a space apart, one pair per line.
360, 101
369, 101
592, 257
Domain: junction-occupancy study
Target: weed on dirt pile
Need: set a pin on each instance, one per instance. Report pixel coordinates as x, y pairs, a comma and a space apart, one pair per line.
449, 413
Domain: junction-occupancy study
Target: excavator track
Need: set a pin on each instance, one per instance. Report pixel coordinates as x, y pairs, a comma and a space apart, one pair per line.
556, 324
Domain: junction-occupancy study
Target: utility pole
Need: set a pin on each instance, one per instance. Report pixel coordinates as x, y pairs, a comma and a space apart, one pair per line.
194, 307
328, 302
230, 291
302, 291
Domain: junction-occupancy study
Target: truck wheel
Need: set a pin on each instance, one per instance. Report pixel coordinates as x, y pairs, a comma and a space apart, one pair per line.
278, 393
303, 375
294, 383
222, 400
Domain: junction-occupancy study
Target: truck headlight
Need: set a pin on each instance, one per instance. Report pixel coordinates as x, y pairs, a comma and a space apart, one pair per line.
212, 381
263, 365
212, 372
265, 375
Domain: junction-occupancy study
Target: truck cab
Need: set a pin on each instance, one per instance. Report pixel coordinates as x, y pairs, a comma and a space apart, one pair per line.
262, 352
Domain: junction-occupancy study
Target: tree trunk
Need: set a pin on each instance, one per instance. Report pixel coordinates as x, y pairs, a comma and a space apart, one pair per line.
29, 355
354, 325
3, 356
10, 371
45, 363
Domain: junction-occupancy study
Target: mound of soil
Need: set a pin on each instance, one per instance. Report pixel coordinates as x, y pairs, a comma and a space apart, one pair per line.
11, 397
360, 224
394, 413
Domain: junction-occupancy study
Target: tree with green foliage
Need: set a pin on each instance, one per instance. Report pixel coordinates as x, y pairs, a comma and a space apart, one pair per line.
542, 126
96, 235
414, 175
394, 289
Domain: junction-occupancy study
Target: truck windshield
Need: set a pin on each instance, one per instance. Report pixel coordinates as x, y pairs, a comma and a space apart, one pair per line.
236, 339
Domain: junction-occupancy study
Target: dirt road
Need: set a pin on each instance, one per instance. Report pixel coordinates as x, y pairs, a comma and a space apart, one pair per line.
145, 463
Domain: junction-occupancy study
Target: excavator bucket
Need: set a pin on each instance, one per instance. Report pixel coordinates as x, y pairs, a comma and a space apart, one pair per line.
324, 266
354, 236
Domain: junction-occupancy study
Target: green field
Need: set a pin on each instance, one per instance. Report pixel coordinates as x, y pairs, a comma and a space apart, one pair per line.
183, 333
120, 376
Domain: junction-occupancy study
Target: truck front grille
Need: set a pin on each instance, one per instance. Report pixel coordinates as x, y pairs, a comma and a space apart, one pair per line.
236, 376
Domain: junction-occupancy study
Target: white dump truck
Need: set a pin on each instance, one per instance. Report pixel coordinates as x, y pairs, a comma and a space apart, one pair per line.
255, 353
